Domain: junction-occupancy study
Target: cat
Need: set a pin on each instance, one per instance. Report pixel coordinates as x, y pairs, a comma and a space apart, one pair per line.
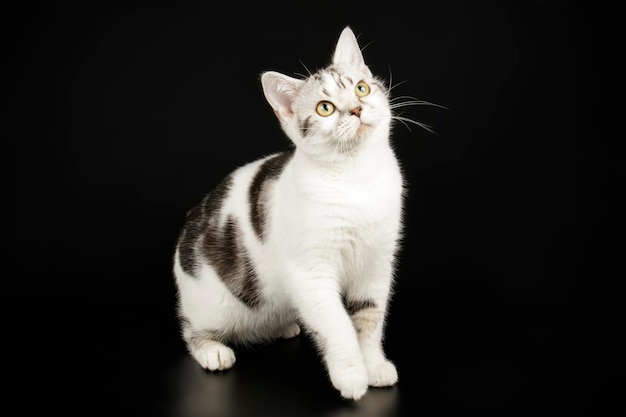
307, 238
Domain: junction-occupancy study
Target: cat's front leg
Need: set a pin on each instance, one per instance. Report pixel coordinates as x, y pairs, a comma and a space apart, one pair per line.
366, 301
322, 312
368, 321
348, 374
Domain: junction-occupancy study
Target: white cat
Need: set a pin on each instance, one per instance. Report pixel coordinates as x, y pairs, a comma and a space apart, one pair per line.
306, 237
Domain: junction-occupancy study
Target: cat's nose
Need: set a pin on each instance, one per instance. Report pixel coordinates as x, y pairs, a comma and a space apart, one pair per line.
356, 111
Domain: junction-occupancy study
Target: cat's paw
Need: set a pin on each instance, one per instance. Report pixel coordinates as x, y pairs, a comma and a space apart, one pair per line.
290, 331
350, 381
382, 374
214, 356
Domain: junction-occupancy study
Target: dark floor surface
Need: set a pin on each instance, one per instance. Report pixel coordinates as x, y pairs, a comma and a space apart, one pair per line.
93, 357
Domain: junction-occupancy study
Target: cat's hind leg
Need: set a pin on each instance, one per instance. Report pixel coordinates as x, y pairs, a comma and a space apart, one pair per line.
291, 330
205, 309
210, 353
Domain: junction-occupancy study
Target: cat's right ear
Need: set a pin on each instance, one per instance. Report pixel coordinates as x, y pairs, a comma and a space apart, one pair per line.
280, 91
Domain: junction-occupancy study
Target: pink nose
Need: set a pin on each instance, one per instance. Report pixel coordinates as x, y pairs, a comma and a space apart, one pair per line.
357, 112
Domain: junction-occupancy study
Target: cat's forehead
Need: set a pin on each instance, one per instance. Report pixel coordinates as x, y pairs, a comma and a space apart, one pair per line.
336, 78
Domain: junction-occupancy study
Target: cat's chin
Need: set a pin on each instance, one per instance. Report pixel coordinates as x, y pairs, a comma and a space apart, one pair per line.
363, 130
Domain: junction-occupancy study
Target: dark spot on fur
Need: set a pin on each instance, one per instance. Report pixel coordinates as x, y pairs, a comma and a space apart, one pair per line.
258, 195
354, 306
196, 224
225, 251
336, 75
203, 237
305, 126
196, 338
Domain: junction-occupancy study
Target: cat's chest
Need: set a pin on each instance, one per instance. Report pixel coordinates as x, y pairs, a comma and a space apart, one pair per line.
346, 201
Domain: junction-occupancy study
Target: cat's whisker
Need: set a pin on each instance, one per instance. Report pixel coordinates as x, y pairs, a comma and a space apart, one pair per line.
411, 99
341, 147
416, 103
390, 80
366, 45
336, 148
396, 103
406, 101
403, 122
391, 87
424, 126
305, 67
403, 98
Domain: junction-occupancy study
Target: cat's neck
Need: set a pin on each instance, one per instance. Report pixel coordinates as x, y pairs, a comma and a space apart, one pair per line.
369, 160
344, 157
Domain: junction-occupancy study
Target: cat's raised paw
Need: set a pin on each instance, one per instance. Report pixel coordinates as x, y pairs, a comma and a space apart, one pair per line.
382, 374
290, 331
214, 356
350, 381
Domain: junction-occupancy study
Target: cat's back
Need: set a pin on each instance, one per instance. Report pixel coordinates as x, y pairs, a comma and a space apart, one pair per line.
240, 201
250, 195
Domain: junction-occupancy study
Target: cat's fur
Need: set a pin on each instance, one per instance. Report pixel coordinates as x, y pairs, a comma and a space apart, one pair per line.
304, 237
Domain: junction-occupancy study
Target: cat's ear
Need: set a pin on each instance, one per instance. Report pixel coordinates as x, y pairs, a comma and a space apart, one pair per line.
348, 52
280, 91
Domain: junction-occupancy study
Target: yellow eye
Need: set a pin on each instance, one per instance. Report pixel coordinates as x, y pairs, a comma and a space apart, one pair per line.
325, 108
362, 89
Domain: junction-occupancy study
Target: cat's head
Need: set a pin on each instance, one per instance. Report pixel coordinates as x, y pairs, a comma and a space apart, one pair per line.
337, 110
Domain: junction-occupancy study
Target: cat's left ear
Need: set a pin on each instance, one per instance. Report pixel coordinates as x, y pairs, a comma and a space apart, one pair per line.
280, 91
348, 52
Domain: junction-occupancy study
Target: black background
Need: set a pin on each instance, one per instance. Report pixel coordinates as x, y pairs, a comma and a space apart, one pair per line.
119, 116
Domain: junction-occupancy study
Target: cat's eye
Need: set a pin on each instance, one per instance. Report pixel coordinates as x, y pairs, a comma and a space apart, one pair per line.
325, 108
362, 89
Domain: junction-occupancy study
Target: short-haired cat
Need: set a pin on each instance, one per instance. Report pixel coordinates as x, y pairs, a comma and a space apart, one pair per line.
306, 238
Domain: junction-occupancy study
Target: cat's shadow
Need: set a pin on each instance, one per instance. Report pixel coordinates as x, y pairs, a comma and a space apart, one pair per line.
283, 378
